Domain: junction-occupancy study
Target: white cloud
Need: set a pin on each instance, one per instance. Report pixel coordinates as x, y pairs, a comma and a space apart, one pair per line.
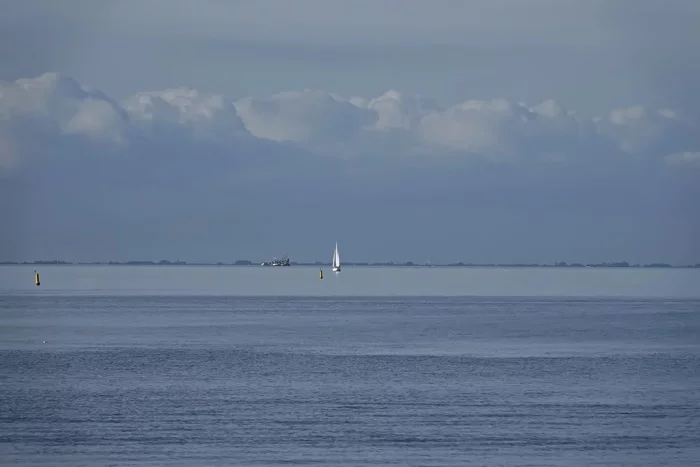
506, 130
395, 110
389, 124
467, 127
207, 115
549, 108
97, 119
60, 102
303, 116
638, 130
634, 115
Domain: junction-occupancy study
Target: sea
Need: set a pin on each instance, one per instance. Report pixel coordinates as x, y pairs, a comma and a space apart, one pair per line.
262, 366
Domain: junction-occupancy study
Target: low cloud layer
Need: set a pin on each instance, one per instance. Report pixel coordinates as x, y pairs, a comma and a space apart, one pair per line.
496, 130
159, 154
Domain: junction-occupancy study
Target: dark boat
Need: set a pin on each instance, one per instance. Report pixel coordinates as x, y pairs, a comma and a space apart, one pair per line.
283, 261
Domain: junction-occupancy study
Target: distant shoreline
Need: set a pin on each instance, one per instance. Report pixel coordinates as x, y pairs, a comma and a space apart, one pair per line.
239, 263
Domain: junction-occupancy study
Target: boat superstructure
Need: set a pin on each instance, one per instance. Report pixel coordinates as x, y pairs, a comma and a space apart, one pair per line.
283, 261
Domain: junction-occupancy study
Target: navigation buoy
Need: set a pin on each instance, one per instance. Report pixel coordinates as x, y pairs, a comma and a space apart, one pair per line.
36, 279
320, 273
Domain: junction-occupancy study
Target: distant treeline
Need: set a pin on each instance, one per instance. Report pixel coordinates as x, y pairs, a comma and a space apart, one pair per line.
243, 262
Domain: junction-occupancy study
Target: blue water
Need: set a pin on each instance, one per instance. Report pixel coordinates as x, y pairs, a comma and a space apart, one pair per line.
259, 366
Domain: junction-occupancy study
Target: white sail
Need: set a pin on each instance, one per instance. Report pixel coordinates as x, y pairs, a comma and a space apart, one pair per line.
336, 259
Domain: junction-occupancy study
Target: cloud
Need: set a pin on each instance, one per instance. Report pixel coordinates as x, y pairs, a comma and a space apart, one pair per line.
185, 170
496, 130
206, 115
55, 101
303, 117
395, 110
97, 119
638, 130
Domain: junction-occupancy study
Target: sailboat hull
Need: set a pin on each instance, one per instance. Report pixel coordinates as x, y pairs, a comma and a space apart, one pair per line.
336, 269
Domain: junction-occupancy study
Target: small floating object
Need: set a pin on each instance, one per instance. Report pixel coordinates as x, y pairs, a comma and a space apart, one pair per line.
36, 279
320, 273
44, 342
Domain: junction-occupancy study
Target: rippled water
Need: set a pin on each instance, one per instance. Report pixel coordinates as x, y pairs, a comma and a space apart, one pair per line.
136, 376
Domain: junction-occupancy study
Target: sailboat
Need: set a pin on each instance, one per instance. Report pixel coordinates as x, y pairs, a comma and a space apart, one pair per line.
336, 259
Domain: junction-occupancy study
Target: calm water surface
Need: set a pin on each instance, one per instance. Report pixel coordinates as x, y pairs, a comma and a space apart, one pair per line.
359, 281
199, 366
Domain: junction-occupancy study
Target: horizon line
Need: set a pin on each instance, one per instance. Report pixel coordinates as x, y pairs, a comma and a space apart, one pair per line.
239, 263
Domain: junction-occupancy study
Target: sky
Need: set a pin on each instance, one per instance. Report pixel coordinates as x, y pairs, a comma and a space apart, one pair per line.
476, 131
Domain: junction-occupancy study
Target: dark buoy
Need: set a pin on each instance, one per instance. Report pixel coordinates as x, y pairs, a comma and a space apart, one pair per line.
320, 273
36, 279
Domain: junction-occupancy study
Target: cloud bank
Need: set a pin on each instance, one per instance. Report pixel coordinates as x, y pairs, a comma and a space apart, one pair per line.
127, 171
494, 130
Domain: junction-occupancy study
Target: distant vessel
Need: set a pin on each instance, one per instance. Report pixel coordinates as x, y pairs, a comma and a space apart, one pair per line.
336, 259
283, 261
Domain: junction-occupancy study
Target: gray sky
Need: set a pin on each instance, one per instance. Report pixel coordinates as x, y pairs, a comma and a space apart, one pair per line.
606, 170
590, 55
